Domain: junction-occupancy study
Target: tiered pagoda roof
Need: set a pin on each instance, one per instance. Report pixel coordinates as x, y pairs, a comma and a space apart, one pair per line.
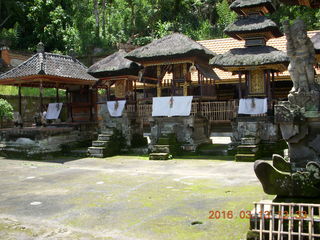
256, 29
175, 45
114, 65
265, 6
250, 56
251, 25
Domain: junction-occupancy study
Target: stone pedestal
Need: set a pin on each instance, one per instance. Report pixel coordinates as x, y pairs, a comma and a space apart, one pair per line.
253, 134
190, 131
126, 124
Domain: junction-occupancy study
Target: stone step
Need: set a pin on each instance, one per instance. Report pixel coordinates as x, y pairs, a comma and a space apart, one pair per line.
248, 149
99, 143
97, 155
96, 150
159, 156
249, 141
240, 157
160, 149
104, 137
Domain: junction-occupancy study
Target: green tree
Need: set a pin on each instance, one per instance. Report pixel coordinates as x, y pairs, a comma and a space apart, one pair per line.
6, 111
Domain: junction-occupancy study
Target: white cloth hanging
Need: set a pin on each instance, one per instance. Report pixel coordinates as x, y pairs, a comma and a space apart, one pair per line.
116, 108
53, 111
171, 106
253, 106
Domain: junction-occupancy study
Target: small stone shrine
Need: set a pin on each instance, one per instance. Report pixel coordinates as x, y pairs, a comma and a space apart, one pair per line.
256, 64
121, 74
178, 57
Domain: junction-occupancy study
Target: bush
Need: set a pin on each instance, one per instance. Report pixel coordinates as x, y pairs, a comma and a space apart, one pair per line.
174, 145
6, 111
138, 141
117, 143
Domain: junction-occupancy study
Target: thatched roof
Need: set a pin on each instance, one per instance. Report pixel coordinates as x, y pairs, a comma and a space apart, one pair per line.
114, 65
49, 64
252, 24
175, 45
238, 4
316, 42
250, 56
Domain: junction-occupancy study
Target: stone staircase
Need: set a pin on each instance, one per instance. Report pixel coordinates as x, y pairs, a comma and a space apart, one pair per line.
99, 147
248, 151
161, 150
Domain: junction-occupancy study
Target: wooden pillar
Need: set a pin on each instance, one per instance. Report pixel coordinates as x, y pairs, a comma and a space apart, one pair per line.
41, 96
144, 88
159, 81
20, 107
90, 102
57, 93
239, 87
272, 86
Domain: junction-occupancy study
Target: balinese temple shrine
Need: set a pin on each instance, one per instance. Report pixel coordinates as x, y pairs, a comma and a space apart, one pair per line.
69, 120
117, 108
173, 61
256, 64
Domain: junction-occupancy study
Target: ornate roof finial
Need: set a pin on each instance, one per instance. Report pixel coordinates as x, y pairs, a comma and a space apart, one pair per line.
40, 47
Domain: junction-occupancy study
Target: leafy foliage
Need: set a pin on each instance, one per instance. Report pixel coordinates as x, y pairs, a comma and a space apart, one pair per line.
6, 110
88, 26
116, 144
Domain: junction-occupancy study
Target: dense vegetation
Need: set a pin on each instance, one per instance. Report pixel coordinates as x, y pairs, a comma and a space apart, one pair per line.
87, 25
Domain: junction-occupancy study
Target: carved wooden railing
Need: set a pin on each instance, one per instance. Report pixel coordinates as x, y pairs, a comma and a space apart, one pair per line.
214, 111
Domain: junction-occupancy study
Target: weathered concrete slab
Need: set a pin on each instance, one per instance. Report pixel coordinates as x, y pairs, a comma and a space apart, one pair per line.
125, 198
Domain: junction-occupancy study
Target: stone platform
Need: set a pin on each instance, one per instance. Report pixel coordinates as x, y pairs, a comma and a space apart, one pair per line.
42, 140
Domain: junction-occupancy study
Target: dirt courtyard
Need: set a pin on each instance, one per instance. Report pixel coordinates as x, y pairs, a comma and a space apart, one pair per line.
125, 198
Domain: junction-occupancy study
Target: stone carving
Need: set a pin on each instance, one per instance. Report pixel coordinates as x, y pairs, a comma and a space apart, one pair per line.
301, 53
299, 121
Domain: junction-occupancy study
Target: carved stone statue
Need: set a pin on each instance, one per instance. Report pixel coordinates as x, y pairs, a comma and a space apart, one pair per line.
301, 53
298, 175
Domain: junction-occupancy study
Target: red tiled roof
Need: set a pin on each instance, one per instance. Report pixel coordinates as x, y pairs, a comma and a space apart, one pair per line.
222, 45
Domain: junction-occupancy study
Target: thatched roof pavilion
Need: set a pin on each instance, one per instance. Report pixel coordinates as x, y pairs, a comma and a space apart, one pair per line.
240, 7
251, 25
177, 56
114, 65
251, 56
256, 61
118, 71
175, 45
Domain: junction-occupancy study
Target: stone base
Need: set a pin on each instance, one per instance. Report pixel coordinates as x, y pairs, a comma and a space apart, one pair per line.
245, 157
190, 131
159, 156
43, 140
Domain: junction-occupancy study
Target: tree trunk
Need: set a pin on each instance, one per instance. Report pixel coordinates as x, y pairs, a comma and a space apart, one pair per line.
104, 18
96, 14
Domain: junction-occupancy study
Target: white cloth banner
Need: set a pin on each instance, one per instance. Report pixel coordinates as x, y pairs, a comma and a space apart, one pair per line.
53, 111
171, 106
116, 108
253, 106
